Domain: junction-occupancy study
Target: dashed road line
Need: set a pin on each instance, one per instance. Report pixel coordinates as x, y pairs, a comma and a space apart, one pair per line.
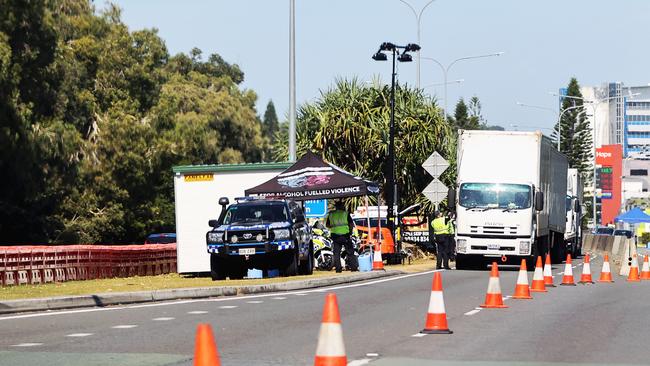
301, 294
79, 335
372, 354
418, 335
279, 298
163, 319
472, 312
26, 344
363, 361
196, 312
255, 302
124, 326
227, 307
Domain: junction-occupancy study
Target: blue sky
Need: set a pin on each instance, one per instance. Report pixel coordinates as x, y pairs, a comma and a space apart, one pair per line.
545, 44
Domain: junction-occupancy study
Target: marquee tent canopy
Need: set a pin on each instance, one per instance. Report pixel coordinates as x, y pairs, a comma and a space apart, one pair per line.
312, 178
634, 216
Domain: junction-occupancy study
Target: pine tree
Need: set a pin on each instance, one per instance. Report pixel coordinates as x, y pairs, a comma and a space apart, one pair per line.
575, 133
270, 121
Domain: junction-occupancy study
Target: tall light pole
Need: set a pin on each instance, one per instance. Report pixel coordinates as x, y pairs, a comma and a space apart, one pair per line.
292, 80
457, 81
445, 70
594, 104
418, 18
559, 117
391, 181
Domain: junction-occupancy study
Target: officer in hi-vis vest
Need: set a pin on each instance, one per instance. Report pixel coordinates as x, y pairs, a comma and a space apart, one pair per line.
341, 226
441, 230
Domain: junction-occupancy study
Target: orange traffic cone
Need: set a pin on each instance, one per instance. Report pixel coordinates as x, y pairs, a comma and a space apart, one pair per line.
205, 350
645, 271
521, 288
605, 273
548, 272
634, 270
586, 271
436, 315
567, 280
494, 298
330, 350
377, 260
538, 278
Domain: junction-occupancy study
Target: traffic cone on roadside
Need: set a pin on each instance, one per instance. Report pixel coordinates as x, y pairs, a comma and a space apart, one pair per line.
377, 260
645, 271
548, 272
605, 273
330, 350
205, 349
538, 278
521, 288
586, 271
634, 270
494, 298
436, 316
567, 280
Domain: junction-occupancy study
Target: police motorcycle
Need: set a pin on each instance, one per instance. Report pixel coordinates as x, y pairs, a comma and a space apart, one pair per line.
323, 248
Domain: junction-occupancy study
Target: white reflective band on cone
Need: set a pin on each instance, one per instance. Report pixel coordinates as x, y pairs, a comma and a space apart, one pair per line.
330, 340
568, 270
606, 267
523, 278
436, 303
493, 286
538, 274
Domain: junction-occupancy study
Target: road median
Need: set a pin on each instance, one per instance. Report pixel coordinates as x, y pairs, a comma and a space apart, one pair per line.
120, 298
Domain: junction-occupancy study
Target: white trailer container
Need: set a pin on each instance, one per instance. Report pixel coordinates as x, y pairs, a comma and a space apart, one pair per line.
574, 201
197, 189
510, 197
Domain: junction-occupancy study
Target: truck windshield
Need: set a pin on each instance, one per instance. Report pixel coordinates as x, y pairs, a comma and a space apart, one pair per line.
246, 214
494, 195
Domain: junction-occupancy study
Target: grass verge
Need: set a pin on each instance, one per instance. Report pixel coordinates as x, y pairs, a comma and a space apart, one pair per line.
167, 281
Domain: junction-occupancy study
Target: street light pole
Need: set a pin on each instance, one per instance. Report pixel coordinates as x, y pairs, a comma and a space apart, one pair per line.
445, 70
391, 181
418, 18
292, 80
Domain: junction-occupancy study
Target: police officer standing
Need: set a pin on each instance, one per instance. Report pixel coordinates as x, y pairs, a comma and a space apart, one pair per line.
443, 242
341, 225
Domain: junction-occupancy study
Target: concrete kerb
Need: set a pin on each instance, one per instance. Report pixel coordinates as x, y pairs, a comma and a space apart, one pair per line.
108, 299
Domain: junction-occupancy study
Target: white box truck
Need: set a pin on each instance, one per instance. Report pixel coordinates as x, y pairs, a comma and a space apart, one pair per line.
574, 201
509, 199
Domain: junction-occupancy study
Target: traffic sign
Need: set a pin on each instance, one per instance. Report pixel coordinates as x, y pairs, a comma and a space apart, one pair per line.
435, 165
436, 191
316, 208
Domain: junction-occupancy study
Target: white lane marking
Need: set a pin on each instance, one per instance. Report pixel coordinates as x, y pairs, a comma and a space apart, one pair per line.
472, 312
163, 319
220, 299
372, 354
195, 312
124, 326
255, 302
363, 361
26, 344
559, 273
227, 307
79, 335
301, 294
419, 335
279, 298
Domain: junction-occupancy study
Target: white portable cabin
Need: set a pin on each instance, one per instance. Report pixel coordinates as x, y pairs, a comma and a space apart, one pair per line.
197, 189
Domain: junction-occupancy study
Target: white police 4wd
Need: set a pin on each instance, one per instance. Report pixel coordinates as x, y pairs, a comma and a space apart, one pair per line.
259, 233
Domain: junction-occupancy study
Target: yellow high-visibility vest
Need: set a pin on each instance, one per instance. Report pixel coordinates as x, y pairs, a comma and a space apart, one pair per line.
439, 226
339, 222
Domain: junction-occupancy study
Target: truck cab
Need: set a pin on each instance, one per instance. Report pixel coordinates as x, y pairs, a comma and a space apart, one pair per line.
259, 233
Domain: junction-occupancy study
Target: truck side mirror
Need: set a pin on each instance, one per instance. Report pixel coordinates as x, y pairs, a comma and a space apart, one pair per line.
213, 223
451, 198
539, 201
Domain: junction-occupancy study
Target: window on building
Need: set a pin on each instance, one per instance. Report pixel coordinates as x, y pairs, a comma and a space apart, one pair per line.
639, 172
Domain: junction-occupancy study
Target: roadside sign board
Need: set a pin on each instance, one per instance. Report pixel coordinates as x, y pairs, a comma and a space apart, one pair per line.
316, 208
436, 191
435, 165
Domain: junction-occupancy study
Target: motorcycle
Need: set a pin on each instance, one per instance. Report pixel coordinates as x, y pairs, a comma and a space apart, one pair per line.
323, 249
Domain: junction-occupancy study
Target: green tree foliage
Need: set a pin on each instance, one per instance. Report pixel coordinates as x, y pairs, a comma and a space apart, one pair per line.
270, 121
349, 126
576, 139
467, 117
93, 117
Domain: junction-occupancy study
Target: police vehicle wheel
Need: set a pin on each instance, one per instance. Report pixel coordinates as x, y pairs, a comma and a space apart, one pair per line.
218, 269
236, 270
307, 266
290, 263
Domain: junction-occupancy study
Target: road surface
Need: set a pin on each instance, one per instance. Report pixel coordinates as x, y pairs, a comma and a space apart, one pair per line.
593, 324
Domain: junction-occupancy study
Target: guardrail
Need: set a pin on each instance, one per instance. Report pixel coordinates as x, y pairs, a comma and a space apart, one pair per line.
22, 265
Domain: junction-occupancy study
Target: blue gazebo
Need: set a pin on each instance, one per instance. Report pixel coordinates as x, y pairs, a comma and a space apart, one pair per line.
634, 216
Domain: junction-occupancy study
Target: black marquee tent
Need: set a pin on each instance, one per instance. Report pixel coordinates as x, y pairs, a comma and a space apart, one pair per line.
311, 178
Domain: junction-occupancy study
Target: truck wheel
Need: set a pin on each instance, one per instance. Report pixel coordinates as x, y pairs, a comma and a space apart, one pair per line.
218, 267
463, 262
290, 267
307, 266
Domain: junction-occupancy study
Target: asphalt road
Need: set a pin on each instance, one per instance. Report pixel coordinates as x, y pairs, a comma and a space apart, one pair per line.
585, 324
